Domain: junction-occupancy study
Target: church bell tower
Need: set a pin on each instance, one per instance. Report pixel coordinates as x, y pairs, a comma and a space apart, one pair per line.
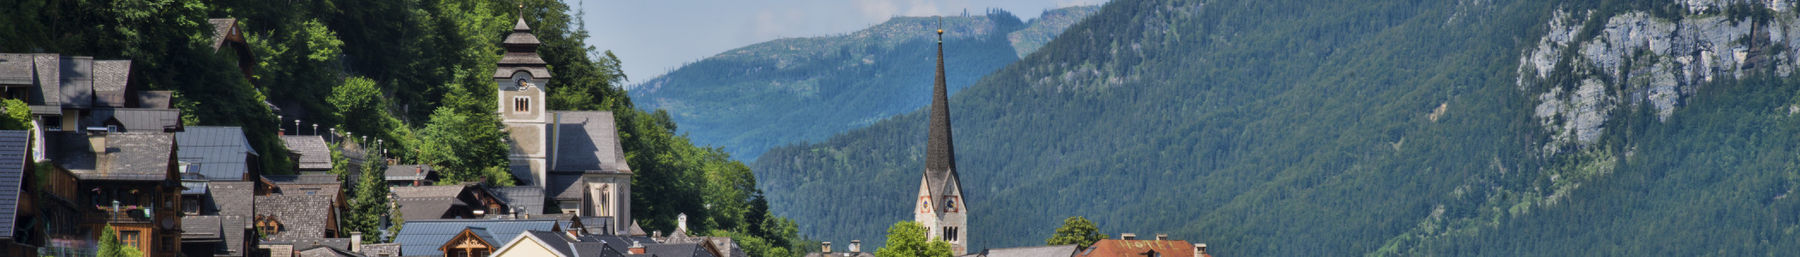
521, 76
940, 205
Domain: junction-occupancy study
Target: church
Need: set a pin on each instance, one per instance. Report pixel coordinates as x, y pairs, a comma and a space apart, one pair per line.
940, 207
574, 156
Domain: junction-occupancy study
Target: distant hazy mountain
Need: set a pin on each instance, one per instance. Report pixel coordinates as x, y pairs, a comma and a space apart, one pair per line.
794, 90
1359, 128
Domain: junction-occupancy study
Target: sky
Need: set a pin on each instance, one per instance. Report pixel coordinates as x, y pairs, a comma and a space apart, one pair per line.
652, 37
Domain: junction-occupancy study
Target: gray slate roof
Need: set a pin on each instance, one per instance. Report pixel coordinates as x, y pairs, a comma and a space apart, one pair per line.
564, 186
128, 156
77, 82
409, 172
427, 202
136, 119
423, 237
110, 77
314, 154
587, 141
301, 216
48, 92
390, 249
1033, 251
940, 148
14, 144
232, 198
531, 198
222, 27
201, 227
325, 251
219, 153
677, 250
155, 99
15, 69
553, 240
597, 249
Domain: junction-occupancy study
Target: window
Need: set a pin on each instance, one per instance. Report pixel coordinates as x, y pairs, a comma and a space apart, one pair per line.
521, 104
130, 237
53, 123
190, 205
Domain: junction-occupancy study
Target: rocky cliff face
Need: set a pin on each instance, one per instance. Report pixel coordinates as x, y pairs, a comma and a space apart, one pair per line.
1587, 66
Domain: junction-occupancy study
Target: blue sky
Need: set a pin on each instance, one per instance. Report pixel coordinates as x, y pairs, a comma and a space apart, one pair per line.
652, 37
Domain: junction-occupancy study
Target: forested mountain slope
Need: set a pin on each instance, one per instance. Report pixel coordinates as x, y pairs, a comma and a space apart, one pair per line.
749, 99
1342, 128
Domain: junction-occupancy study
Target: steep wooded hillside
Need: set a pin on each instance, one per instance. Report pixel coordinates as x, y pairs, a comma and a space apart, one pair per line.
1343, 128
749, 99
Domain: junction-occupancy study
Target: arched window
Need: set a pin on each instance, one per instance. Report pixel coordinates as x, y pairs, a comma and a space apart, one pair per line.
521, 104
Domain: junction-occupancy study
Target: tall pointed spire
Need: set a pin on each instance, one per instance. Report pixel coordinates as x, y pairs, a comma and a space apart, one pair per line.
940, 154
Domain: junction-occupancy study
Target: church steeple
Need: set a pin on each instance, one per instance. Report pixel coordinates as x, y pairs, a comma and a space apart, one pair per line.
940, 208
940, 152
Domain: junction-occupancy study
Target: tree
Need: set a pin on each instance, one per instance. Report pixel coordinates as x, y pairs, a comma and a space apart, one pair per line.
110, 246
18, 115
468, 147
1076, 230
907, 239
370, 203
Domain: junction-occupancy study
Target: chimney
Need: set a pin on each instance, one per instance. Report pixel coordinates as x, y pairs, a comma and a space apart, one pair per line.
356, 241
1127, 236
1162, 236
825, 247
1200, 250
636, 248
855, 247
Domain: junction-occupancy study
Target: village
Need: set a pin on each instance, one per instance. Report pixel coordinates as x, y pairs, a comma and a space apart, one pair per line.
102, 156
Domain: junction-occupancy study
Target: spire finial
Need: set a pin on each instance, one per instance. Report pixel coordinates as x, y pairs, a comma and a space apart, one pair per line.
940, 29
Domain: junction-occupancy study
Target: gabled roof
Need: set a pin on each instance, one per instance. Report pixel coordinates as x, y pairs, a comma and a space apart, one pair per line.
1035, 251
564, 186
390, 249
528, 198
222, 28
408, 172
635, 230
15, 69
135, 119
678, 250
325, 251
301, 216
155, 99
1130, 248
423, 237
427, 202
127, 156
314, 153
201, 227
110, 77
14, 144
303, 179
47, 95
232, 197
77, 82
554, 241
596, 249
587, 141
219, 153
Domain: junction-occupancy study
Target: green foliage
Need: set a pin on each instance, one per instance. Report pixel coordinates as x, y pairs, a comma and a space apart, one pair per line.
907, 239
18, 115
369, 202
1076, 230
365, 110
466, 147
109, 243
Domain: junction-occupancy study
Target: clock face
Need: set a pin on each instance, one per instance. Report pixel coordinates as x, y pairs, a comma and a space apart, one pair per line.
950, 204
924, 204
